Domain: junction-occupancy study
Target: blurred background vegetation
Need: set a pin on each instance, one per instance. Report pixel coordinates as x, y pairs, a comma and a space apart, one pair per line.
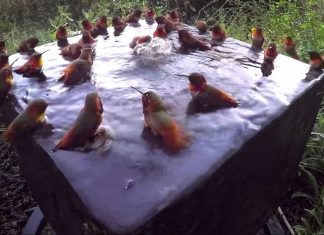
301, 19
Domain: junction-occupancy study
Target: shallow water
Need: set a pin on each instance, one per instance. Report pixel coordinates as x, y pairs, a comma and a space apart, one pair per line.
136, 178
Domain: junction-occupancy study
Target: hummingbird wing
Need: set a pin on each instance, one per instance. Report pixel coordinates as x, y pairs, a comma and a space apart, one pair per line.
84, 127
217, 97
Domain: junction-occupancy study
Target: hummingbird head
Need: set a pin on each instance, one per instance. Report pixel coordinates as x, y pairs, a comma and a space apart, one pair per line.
160, 20
315, 58
256, 31
272, 46
86, 54
201, 25
86, 25
87, 38
61, 32
36, 109
93, 103
174, 15
35, 60
103, 22
150, 13
288, 41
152, 102
197, 79
217, 28
115, 21
137, 13
6, 75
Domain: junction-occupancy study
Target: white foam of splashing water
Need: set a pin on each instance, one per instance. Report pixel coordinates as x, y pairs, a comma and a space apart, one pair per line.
155, 51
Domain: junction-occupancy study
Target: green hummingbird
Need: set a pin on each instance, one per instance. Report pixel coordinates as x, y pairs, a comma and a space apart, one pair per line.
29, 119
85, 125
161, 123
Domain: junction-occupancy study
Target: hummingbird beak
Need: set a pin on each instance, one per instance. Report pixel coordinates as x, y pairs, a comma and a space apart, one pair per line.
14, 62
182, 75
137, 90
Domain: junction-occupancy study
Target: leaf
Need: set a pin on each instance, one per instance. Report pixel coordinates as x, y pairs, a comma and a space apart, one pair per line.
303, 195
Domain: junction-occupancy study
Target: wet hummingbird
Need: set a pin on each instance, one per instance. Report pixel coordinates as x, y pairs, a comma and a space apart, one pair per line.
315, 60
61, 36
187, 40
78, 70
160, 32
201, 26
33, 66
29, 119
169, 25
218, 33
257, 38
140, 40
173, 16
161, 123
270, 52
100, 27
149, 14
86, 124
28, 45
118, 24
87, 25
134, 16
290, 47
207, 94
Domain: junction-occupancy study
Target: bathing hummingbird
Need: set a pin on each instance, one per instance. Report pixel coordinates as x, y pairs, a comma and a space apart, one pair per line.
257, 38
187, 40
290, 47
201, 26
28, 45
61, 36
78, 70
29, 119
86, 124
160, 32
270, 53
134, 16
100, 27
169, 25
118, 24
161, 123
32, 67
218, 33
315, 60
207, 94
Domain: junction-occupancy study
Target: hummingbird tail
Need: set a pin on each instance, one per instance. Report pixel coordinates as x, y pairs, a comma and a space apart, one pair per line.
174, 138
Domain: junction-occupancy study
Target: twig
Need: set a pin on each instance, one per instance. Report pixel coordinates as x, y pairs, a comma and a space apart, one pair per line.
283, 217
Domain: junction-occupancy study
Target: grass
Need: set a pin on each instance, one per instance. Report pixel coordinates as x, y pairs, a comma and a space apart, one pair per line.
301, 19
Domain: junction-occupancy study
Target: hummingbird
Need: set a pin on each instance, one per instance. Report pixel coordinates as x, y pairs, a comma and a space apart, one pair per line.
29, 119
33, 66
169, 25
3, 48
160, 32
61, 36
100, 27
161, 123
207, 94
173, 16
28, 45
134, 16
4, 60
290, 47
257, 38
201, 26
187, 40
218, 33
6, 81
315, 60
140, 40
86, 124
118, 24
270, 53
78, 70
149, 14
86, 39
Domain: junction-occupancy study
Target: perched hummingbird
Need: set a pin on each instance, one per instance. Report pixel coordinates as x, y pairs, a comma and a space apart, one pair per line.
86, 39
160, 122
270, 53
190, 42
32, 117
85, 125
173, 16
290, 47
169, 25
3, 48
160, 32
118, 24
257, 38
100, 27
4, 60
140, 40
149, 14
218, 33
134, 16
61, 36
78, 70
315, 60
201, 26
33, 66
28, 45
6, 81
208, 94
